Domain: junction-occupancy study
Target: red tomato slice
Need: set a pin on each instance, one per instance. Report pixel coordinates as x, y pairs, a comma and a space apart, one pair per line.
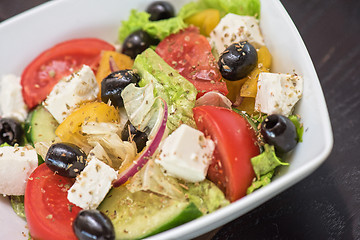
189, 52
40, 76
49, 214
235, 145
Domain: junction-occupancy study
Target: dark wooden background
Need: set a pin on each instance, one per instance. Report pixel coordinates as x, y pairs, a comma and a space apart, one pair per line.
326, 205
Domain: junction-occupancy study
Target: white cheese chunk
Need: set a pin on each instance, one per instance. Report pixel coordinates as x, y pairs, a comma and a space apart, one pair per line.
16, 165
92, 185
186, 154
235, 28
278, 93
12, 104
71, 91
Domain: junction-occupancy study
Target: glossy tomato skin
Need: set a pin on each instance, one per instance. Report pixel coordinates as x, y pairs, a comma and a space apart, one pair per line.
49, 214
40, 76
189, 52
235, 145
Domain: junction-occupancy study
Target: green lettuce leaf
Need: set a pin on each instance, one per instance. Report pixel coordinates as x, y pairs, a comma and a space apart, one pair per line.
106, 143
189, 9
243, 7
163, 28
17, 203
299, 126
266, 161
263, 181
151, 178
178, 92
264, 166
144, 110
157, 29
5, 144
135, 22
205, 195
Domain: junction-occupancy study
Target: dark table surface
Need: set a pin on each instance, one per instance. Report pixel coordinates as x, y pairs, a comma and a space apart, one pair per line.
326, 205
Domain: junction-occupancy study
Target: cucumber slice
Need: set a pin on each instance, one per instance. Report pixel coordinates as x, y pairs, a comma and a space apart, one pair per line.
142, 214
40, 126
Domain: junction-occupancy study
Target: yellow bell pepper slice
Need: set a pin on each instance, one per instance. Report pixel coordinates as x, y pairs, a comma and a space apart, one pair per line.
264, 57
249, 88
247, 105
70, 129
122, 61
234, 88
206, 20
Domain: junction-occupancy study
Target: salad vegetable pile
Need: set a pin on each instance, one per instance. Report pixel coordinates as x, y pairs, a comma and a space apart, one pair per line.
185, 117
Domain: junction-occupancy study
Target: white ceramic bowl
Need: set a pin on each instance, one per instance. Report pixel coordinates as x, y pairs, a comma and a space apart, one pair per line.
26, 35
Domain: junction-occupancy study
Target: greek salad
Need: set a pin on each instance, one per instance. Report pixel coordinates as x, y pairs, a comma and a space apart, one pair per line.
179, 117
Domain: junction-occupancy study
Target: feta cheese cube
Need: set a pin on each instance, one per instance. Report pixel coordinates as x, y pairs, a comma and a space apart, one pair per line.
16, 165
92, 185
186, 154
12, 104
71, 91
235, 28
278, 93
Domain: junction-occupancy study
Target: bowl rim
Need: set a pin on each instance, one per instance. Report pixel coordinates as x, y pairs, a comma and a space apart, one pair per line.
218, 218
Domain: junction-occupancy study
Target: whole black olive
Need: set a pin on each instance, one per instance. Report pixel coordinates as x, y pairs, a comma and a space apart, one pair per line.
114, 84
93, 225
137, 42
66, 159
279, 131
140, 138
237, 61
11, 131
160, 10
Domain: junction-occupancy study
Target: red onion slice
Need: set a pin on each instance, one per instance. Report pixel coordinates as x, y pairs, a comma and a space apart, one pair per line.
213, 98
146, 154
112, 64
238, 100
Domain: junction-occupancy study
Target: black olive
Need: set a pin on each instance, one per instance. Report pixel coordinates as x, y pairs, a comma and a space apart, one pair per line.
93, 225
140, 138
279, 131
66, 159
160, 10
11, 131
137, 42
114, 84
237, 61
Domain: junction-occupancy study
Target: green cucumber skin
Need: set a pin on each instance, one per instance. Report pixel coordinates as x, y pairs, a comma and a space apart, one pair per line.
190, 210
40, 126
126, 211
27, 128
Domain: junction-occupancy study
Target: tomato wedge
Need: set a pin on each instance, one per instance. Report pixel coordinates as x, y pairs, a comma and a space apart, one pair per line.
235, 145
49, 214
40, 76
189, 52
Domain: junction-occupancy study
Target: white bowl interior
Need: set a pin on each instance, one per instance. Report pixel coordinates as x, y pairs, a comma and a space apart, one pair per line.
26, 35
